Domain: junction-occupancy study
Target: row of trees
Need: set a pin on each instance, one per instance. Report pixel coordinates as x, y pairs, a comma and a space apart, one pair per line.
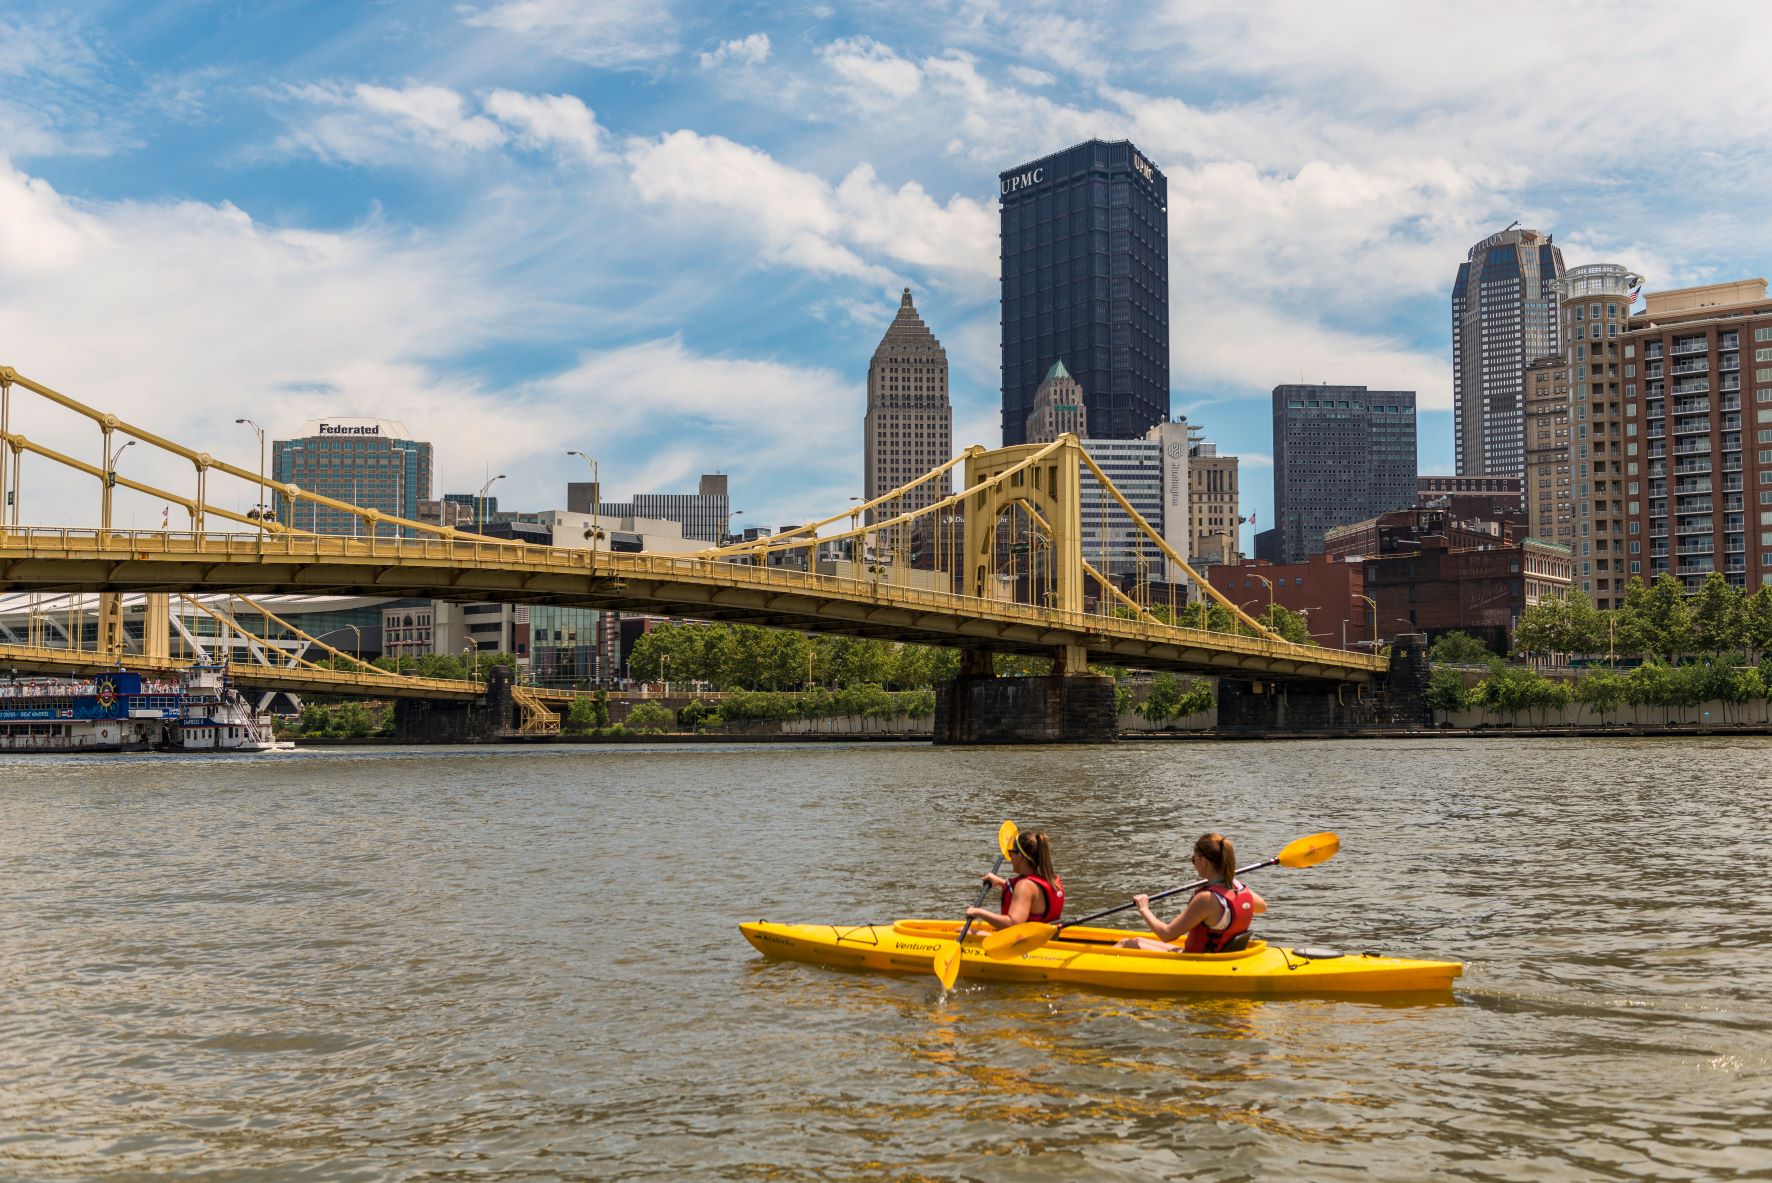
1215, 617
1171, 697
1515, 690
1656, 620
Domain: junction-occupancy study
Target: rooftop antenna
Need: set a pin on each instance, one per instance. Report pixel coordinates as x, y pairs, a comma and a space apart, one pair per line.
1510, 225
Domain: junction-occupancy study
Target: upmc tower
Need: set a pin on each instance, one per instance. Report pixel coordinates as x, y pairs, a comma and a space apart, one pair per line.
1085, 247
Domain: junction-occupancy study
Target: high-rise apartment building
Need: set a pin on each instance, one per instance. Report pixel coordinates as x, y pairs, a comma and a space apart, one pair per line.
1085, 274
1550, 484
1058, 407
1702, 500
373, 463
1341, 454
1214, 513
910, 421
1504, 315
1604, 420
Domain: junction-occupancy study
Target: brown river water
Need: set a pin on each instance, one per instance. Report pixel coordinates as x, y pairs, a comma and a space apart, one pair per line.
524, 964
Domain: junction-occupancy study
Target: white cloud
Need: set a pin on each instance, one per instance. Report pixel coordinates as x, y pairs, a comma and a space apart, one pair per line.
745, 51
874, 68
804, 221
606, 33
550, 121
367, 124
1028, 76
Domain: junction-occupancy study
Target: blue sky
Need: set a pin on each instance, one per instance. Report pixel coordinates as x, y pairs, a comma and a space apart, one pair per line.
671, 234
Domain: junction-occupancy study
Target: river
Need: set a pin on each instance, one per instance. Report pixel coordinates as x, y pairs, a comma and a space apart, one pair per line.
522, 963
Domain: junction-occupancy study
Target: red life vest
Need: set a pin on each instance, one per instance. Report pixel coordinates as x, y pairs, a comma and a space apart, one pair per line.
1239, 902
1053, 895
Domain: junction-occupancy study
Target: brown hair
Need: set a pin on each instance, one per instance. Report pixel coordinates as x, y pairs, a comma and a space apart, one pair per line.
1216, 849
1032, 846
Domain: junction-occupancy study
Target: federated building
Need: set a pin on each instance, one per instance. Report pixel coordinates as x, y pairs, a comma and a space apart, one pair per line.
374, 463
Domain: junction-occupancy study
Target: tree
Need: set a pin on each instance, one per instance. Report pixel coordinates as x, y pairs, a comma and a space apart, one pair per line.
651, 716
600, 709
1162, 703
1756, 621
1718, 616
581, 716
1656, 620
1197, 698
1603, 690
1460, 648
1651, 684
1291, 626
1445, 690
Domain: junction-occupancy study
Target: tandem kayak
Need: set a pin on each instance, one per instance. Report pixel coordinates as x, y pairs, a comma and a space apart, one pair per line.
1086, 957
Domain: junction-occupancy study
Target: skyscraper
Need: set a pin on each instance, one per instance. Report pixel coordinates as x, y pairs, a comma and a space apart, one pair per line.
1342, 454
374, 463
1058, 407
1504, 315
1085, 274
910, 422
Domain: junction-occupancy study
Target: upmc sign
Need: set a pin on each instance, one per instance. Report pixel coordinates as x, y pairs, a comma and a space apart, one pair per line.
1024, 180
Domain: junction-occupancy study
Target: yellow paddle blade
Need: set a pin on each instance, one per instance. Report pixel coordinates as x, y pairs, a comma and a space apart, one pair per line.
947, 966
1310, 850
1006, 836
1017, 939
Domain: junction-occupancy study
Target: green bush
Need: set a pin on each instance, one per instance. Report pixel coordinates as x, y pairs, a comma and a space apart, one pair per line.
650, 716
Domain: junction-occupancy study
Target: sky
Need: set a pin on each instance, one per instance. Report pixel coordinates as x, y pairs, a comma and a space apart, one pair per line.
670, 234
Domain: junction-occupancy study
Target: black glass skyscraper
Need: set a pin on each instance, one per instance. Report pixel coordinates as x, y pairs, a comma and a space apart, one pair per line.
1085, 255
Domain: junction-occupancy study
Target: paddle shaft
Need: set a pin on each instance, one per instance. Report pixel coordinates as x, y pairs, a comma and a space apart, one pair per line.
983, 891
1196, 885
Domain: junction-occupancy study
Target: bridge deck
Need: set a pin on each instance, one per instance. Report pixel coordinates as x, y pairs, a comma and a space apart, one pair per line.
55, 559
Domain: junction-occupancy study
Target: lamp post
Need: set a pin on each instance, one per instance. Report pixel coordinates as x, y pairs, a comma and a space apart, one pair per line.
726, 530
1371, 603
470, 660
1270, 597
258, 513
111, 482
664, 665
480, 503
596, 499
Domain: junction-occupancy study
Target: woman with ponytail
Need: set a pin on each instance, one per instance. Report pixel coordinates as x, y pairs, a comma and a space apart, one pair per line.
1217, 919
1034, 892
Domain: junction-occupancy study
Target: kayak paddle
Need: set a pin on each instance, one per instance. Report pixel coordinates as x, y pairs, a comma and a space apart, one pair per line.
1025, 938
947, 962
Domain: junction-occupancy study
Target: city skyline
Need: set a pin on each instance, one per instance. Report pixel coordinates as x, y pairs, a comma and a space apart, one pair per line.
666, 238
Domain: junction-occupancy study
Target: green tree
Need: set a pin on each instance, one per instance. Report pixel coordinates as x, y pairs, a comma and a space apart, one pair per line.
1163, 701
651, 716
1718, 616
1656, 620
1196, 698
1652, 684
1446, 690
1291, 626
581, 716
600, 709
1602, 690
1460, 648
1756, 621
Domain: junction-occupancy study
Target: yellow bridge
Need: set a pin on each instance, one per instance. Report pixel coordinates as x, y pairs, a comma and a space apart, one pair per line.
997, 567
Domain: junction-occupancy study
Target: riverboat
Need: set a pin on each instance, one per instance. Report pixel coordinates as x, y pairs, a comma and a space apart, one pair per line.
127, 712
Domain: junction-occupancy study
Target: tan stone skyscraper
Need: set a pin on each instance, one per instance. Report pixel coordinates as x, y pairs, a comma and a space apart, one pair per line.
910, 422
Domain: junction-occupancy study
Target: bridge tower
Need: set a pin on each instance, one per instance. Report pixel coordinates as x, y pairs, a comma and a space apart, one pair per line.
1069, 705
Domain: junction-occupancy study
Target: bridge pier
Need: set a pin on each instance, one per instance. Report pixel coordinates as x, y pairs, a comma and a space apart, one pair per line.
1397, 700
487, 719
1057, 708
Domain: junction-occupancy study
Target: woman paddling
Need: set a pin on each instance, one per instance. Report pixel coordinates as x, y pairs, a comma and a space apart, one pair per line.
1034, 892
1219, 913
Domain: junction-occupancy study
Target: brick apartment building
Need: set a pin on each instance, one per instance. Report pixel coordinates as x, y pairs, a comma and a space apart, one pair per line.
1328, 591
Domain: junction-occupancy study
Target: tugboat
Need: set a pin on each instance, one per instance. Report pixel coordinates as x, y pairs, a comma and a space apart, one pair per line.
214, 717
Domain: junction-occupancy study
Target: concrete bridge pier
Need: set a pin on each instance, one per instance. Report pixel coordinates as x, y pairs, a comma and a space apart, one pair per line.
1397, 700
979, 708
487, 719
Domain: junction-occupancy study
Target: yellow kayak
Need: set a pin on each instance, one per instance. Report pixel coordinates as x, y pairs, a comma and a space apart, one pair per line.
1086, 956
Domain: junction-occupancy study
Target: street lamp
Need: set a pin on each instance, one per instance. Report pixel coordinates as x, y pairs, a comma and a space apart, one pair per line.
111, 482
727, 529
1374, 606
1270, 597
480, 502
258, 513
596, 499
469, 660
664, 665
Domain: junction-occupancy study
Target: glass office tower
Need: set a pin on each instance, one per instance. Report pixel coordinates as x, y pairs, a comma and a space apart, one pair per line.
1085, 274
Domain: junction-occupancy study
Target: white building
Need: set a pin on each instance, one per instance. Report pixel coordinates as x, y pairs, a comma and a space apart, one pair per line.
1152, 474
